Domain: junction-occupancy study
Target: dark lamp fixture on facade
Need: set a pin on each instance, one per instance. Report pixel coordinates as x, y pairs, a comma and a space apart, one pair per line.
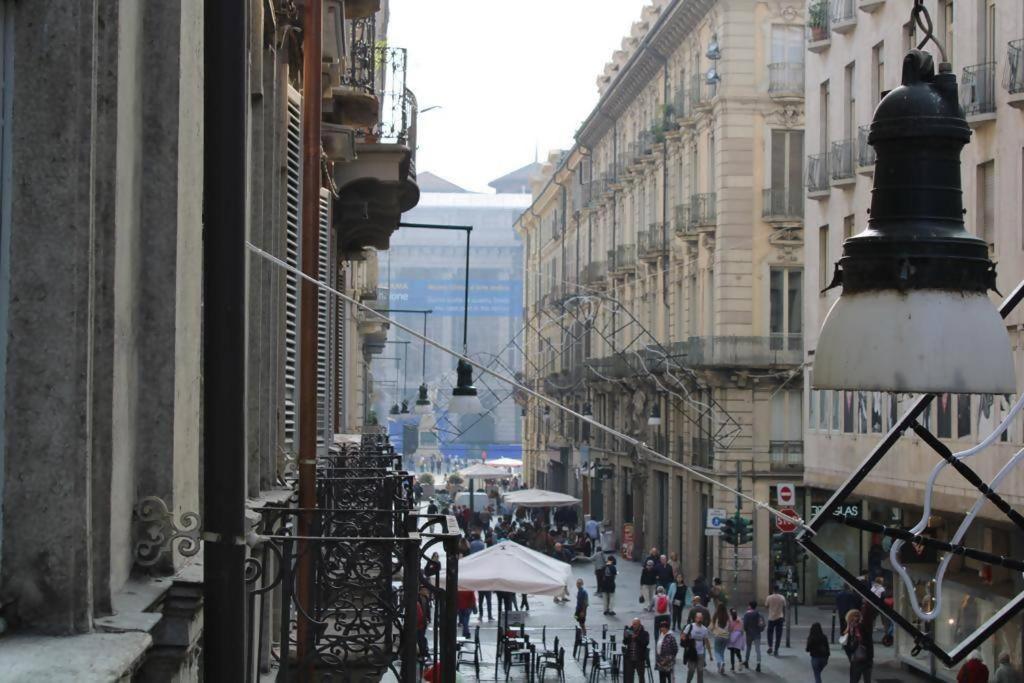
914, 315
547, 413
714, 52
464, 397
655, 418
395, 410
588, 411
422, 401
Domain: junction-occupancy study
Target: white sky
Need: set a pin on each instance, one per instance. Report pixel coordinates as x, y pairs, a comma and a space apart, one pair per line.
511, 76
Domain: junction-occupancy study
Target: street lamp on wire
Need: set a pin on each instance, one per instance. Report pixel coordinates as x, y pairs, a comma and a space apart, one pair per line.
465, 399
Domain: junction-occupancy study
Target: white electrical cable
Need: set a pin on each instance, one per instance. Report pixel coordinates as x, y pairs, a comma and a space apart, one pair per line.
636, 443
967, 521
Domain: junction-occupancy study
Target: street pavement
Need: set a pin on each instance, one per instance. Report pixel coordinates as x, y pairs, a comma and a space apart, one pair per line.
793, 665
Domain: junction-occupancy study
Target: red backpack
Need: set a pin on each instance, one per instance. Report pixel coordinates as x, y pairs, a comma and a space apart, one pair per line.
661, 605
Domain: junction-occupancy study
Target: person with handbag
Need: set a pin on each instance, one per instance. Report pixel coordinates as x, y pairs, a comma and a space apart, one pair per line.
720, 634
677, 595
665, 650
737, 640
695, 642
856, 642
818, 649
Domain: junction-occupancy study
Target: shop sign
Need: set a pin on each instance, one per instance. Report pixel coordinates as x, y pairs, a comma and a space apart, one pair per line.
843, 510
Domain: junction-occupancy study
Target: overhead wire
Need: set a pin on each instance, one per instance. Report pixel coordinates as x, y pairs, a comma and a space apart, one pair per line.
639, 445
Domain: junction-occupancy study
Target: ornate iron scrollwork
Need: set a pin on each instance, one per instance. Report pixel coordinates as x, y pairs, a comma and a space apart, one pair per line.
156, 531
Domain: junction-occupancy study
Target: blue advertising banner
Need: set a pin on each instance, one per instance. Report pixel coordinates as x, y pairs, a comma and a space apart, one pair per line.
486, 297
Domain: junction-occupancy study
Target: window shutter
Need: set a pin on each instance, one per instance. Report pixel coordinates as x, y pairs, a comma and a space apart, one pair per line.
323, 326
293, 219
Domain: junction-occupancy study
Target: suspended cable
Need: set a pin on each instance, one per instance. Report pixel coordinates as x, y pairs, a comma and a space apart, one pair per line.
632, 441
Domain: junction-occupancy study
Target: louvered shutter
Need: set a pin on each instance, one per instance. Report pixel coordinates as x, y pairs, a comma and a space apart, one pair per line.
323, 327
293, 220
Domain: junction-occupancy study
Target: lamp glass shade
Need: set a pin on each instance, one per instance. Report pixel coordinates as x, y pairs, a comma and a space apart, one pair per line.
920, 341
465, 405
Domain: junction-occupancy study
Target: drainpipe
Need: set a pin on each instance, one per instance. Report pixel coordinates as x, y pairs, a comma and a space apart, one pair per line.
225, 112
311, 181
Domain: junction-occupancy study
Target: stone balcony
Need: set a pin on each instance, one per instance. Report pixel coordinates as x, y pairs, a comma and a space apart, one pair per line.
739, 352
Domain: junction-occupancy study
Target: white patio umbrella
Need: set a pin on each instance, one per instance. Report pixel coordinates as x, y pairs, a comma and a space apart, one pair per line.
539, 498
505, 462
514, 568
481, 471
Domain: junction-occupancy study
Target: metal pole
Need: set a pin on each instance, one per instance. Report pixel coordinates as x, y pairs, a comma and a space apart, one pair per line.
410, 597
225, 113
448, 625
832, 636
311, 101
465, 300
789, 625
739, 511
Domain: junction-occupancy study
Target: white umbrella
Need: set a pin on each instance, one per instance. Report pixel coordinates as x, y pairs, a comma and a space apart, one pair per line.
508, 566
539, 498
505, 462
483, 471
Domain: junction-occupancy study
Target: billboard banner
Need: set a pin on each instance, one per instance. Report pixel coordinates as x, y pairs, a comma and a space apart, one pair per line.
445, 297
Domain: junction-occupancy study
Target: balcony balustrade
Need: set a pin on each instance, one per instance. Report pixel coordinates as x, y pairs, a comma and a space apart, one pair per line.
819, 26
844, 16
786, 456
624, 258
817, 174
703, 210
682, 107
683, 225
841, 163
865, 152
978, 90
651, 242
786, 80
739, 352
782, 204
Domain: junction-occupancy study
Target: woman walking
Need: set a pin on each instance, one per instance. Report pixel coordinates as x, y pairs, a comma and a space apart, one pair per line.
818, 649
665, 650
677, 595
737, 640
858, 647
720, 634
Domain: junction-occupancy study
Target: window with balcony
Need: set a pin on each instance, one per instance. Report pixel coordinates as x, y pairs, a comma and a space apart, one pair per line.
784, 197
786, 308
786, 446
786, 70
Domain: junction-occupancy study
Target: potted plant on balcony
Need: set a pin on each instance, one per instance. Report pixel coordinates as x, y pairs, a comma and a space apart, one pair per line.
817, 19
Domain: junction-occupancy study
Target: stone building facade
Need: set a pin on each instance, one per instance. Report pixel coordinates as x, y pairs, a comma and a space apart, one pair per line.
855, 54
664, 274
101, 271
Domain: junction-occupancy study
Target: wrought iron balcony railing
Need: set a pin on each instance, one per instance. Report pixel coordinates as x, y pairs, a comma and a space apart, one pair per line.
786, 79
701, 92
782, 204
817, 173
683, 224
819, 23
651, 242
1013, 75
682, 106
865, 152
841, 164
625, 257
978, 89
703, 210
786, 455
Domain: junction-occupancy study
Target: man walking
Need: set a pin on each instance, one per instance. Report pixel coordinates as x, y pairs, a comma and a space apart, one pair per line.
663, 573
648, 580
635, 641
776, 604
696, 644
608, 585
582, 603
698, 609
753, 626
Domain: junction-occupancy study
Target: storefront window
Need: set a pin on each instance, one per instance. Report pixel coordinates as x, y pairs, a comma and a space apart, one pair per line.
841, 542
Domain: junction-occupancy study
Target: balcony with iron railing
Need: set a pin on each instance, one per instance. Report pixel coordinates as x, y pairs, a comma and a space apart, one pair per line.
841, 164
978, 92
782, 205
625, 258
865, 152
776, 350
683, 226
1013, 73
819, 31
786, 80
682, 107
786, 456
703, 452
818, 180
701, 92
843, 15
651, 243
703, 210
595, 273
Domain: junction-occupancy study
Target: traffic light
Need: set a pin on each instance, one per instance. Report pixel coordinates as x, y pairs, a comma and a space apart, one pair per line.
729, 530
744, 531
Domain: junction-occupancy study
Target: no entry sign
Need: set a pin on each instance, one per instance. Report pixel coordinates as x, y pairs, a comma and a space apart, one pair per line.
786, 493
785, 525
